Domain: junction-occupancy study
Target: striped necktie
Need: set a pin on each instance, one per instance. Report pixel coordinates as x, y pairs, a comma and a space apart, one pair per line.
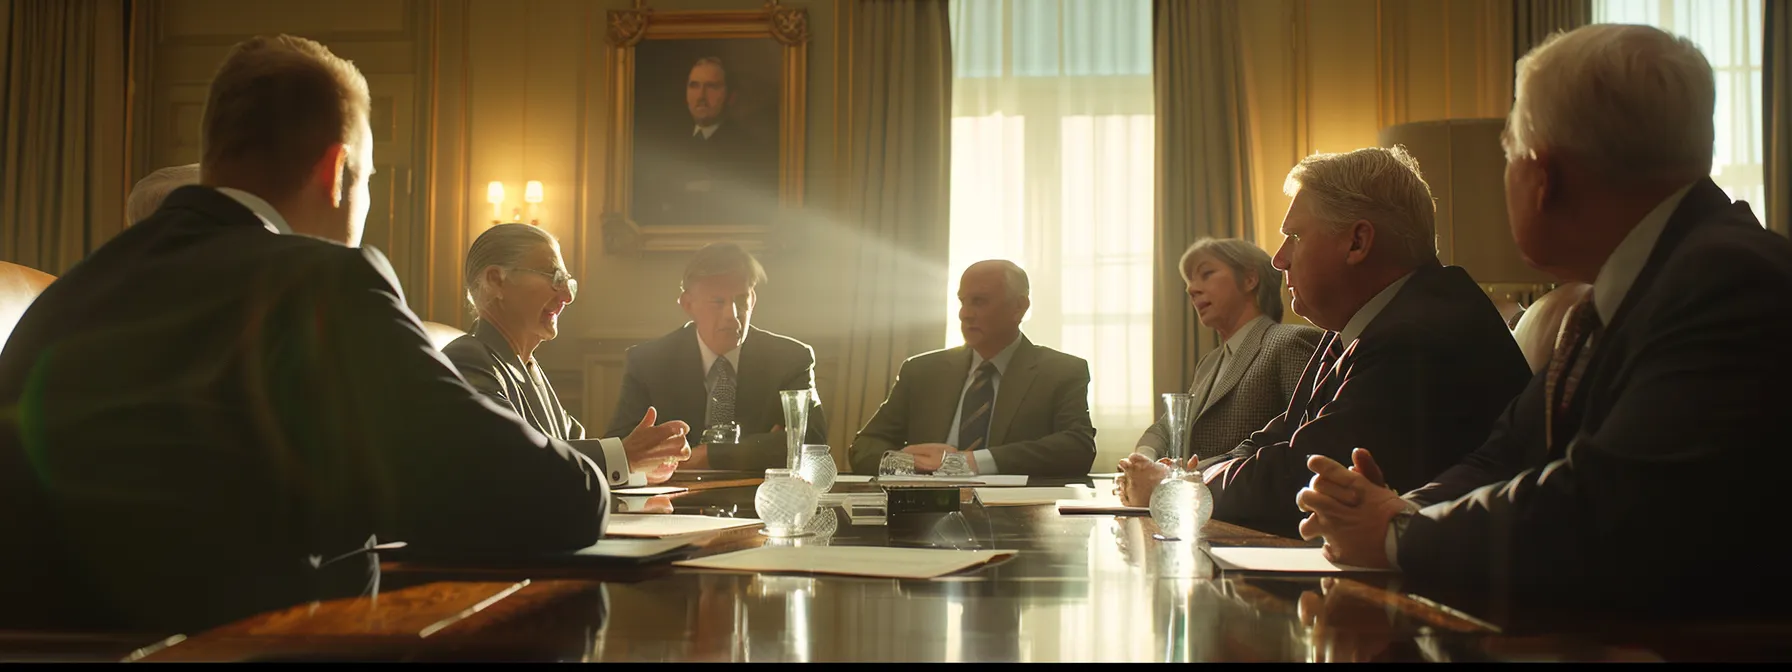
721, 392
1574, 350
973, 424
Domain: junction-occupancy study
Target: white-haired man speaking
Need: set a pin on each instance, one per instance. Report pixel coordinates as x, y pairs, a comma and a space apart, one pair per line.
1660, 412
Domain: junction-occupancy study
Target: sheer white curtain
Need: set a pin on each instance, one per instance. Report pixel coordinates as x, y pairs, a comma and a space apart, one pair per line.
1730, 34
1052, 160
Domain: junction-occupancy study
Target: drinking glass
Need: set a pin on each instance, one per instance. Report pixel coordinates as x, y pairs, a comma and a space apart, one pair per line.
896, 463
796, 424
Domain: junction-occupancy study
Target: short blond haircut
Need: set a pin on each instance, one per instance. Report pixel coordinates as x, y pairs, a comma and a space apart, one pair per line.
1378, 184
276, 105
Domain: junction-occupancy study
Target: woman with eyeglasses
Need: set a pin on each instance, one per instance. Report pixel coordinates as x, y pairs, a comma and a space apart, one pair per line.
517, 284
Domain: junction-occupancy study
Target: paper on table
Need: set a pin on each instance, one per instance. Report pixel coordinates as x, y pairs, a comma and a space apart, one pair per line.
649, 491
875, 561
852, 478
660, 526
1260, 559
1100, 507
1030, 496
992, 480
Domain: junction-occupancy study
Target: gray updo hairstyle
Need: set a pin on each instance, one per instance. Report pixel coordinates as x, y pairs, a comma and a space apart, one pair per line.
503, 246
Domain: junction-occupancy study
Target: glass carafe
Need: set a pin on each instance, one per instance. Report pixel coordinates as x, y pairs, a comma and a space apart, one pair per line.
796, 424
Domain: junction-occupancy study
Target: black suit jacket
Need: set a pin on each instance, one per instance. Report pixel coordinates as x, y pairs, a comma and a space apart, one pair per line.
486, 360
1419, 388
667, 374
729, 178
1675, 458
216, 418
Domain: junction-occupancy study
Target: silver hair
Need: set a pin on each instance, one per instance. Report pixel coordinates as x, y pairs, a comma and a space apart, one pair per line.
1379, 184
1014, 279
504, 246
1246, 260
1633, 101
722, 259
147, 195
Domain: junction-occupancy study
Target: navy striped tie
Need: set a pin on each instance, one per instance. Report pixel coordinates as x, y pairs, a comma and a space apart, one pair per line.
973, 424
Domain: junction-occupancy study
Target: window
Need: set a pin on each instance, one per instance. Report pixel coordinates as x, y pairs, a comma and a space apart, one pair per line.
1053, 168
1730, 33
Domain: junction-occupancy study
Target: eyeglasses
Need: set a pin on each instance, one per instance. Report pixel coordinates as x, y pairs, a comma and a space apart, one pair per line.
560, 278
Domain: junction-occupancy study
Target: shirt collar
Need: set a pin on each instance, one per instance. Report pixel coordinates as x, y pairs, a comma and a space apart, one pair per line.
1626, 262
706, 130
270, 218
1237, 340
1366, 314
709, 356
1000, 360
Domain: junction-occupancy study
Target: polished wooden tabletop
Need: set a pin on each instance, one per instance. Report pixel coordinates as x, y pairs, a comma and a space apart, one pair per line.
1080, 588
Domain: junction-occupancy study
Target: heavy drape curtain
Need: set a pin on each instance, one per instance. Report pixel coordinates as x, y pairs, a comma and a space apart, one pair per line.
897, 193
1203, 167
1776, 99
63, 116
1052, 138
1534, 20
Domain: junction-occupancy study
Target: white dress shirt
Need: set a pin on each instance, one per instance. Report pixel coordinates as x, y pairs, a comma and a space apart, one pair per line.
986, 462
705, 131
1610, 286
1367, 314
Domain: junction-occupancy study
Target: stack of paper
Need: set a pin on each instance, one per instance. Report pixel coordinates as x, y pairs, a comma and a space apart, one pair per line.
872, 561
993, 480
1260, 559
660, 526
1030, 496
1100, 507
649, 491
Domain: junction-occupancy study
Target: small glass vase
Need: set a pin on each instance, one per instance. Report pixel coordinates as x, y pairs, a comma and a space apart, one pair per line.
818, 467
796, 424
785, 502
1181, 503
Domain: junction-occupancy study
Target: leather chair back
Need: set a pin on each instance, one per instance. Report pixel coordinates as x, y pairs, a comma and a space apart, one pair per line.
1542, 322
19, 286
440, 335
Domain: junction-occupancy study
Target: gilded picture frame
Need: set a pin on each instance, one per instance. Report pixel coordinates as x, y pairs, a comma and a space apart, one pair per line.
635, 38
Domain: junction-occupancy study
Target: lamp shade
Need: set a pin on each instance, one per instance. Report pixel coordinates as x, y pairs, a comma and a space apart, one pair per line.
532, 192
1462, 162
494, 193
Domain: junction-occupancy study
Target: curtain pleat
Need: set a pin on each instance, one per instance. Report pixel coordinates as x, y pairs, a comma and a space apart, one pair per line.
1776, 96
1534, 20
900, 158
63, 100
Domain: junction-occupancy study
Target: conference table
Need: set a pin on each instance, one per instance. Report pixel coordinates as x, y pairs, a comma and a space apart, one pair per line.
1079, 588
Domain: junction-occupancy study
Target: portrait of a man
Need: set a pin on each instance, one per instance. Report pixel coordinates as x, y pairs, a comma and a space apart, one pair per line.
707, 155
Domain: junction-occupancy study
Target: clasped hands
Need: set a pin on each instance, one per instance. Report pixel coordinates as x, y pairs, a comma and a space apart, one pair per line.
1350, 509
929, 456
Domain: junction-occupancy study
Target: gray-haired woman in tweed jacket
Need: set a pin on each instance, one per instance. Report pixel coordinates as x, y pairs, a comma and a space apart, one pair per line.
1240, 386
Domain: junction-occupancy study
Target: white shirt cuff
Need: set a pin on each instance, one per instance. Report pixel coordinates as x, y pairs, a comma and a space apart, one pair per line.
986, 463
616, 463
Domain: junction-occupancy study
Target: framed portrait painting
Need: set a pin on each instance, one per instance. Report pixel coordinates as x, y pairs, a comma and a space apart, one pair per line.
706, 126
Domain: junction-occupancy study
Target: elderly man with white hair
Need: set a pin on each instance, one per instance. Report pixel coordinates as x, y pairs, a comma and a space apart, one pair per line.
1416, 363
1660, 410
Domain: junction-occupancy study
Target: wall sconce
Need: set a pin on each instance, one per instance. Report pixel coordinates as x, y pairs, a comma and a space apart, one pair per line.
494, 194
532, 195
